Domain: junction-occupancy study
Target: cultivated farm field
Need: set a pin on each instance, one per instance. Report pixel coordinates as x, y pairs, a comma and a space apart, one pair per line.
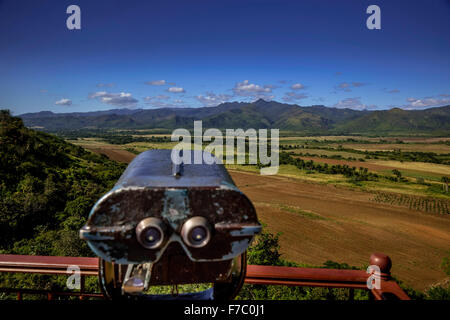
324, 217
321, 222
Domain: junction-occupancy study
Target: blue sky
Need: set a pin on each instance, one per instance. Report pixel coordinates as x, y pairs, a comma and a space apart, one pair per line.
193, 53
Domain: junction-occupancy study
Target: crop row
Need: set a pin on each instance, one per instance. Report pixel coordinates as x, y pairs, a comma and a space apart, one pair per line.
432, 205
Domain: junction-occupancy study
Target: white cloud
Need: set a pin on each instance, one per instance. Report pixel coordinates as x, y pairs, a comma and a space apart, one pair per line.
158, 97
64, 102
101, 85
247, 89
297, 86
414, 103
156, 82
292, 96
346, 86
162, 97
211, 99
161, 104
121, 99
353, 103
343, 85
176, 90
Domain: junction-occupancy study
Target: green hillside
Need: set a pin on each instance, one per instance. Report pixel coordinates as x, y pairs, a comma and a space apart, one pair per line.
47, 188
398, 120
257, 114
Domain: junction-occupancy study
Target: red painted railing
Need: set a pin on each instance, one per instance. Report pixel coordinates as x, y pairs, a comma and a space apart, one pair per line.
265, 275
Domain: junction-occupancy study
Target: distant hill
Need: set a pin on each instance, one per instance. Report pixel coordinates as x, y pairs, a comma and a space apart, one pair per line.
398, 120
258, 114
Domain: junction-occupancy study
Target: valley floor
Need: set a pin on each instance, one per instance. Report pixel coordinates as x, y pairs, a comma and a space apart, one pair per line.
322, 222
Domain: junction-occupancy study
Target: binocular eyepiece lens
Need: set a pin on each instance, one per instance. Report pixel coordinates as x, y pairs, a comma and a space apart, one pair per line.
150, 233
151, 236
196, 232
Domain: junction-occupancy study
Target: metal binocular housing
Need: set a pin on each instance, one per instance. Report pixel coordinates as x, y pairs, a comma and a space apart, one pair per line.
166, 224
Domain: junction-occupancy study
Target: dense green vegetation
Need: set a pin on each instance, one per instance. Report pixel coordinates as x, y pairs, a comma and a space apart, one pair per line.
361, 174
111, 136
47, 187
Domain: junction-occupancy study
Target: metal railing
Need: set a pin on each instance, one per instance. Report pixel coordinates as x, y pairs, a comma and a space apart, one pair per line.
262, 275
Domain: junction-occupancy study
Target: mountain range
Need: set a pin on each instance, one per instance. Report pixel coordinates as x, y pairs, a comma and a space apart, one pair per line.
315, 119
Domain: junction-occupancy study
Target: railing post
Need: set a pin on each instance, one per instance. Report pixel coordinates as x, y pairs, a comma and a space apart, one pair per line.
383, 262
388, 289
351, 294
82, 282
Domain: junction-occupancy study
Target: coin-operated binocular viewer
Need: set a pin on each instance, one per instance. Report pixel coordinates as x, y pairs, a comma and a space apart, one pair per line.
166, 224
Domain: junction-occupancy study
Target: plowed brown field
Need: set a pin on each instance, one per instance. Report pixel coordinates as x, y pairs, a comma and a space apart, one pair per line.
345, 226
119, 155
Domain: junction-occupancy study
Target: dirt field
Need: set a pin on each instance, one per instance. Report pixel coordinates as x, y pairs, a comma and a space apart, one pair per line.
345, 226
114, 154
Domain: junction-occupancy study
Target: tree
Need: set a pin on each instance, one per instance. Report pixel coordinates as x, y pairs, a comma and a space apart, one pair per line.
445, 181
397, 173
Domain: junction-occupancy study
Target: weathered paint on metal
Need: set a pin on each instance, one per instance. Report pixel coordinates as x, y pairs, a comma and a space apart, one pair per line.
148, 188
176, 207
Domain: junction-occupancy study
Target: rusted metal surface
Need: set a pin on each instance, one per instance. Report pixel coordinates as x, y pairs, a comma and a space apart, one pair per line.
265, 275
148, 188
